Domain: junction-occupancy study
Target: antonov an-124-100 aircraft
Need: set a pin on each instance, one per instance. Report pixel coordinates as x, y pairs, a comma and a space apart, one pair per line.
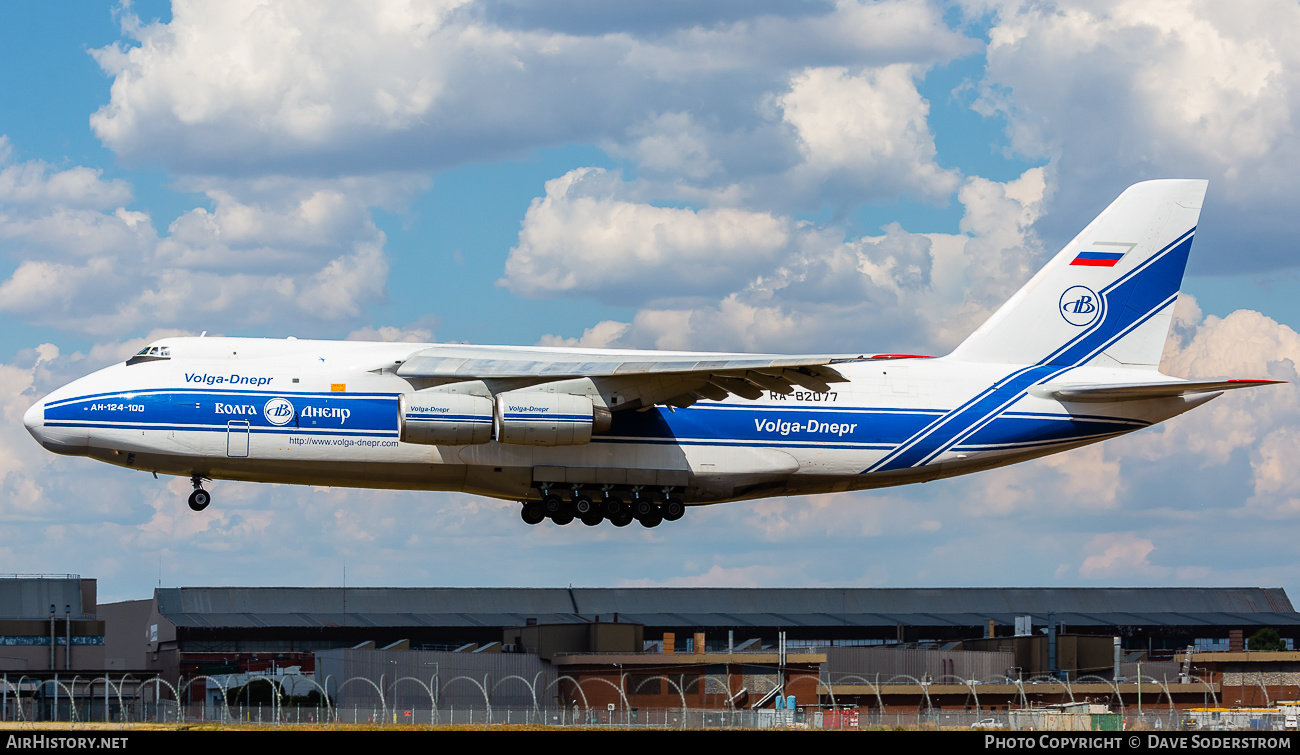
603, 434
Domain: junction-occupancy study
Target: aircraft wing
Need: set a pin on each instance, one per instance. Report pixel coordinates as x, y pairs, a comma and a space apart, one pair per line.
1139, 391
696, 374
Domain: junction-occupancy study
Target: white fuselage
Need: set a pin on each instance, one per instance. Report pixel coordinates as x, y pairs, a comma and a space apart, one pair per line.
327, 413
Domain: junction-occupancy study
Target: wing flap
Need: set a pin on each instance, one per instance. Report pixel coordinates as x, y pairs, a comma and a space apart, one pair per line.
1140, 391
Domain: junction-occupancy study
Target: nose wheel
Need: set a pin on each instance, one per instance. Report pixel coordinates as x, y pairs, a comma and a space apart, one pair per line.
200, 498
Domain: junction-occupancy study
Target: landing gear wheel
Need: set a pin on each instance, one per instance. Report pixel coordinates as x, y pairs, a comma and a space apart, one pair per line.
623, 519
652, 519
642, 507
673, 509
552, 505
564, 515
200, 499
614, 507
582, 505
532, 513
592, 518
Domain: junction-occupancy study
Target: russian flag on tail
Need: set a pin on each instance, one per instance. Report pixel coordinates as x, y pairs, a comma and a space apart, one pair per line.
1097, 259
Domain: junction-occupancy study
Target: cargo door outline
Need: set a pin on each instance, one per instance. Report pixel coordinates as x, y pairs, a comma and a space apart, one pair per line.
237, 438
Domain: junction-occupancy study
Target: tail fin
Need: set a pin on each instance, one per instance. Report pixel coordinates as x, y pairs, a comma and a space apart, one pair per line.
1108, 297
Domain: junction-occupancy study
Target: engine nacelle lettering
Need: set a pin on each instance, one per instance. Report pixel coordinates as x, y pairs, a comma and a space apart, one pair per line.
536, 418
444, 419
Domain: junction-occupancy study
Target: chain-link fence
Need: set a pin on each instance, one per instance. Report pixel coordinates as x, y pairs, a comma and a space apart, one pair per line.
126, 701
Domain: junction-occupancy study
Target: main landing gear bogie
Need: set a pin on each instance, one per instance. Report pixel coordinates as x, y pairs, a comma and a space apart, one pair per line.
592, 508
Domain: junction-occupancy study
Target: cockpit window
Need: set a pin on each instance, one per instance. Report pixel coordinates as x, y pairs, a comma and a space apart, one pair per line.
150, 354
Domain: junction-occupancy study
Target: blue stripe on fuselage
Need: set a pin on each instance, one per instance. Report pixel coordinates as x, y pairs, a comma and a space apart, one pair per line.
761, 424
197, 410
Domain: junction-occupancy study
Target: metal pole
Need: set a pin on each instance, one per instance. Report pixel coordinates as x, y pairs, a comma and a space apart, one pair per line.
1051, 645
67, 639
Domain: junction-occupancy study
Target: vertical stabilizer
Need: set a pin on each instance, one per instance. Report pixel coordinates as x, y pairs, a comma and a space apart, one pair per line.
1108, 297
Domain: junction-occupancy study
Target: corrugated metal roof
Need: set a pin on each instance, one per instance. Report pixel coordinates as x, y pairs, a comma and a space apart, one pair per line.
31, 598
672, 606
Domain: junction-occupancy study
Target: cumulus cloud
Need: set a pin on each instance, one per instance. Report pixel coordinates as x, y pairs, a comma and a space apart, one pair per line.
1113, 92
601, 335
868, 130
272, 250
420, 331
1258, 421
69, 214
317, 86
578, 239
732, 279
1088, 479
1122, 554
37, 183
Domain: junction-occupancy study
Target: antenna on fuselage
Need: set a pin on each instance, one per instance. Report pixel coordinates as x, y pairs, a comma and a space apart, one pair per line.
204, 333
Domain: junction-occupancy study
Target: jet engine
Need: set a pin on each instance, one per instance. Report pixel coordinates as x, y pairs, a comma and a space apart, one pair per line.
445, 419
537, 418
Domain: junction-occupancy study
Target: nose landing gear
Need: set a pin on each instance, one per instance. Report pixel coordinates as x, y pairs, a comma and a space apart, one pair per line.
200, 498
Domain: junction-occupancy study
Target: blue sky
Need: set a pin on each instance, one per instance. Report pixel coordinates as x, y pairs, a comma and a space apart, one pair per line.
832, 176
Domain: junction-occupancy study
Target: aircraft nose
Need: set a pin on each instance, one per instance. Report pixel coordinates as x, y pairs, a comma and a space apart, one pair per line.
71, 442
34, 420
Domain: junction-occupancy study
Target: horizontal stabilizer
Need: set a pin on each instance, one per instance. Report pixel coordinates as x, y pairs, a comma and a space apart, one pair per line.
1140, 391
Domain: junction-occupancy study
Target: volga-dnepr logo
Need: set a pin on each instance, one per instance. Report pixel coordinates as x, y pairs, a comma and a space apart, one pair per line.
1080, 305
278, 411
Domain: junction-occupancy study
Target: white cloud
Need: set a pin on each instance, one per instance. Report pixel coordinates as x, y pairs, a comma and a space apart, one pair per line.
673, 144
733, 279
1115, 91
599, 336
37, 183
579, 241
319, 86
1122, 554
1085, 479
867, 130
281, 236
294, 252
420, 331
66, 214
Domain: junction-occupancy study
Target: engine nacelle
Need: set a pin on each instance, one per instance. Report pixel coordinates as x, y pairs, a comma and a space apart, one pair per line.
535, 418
445, 419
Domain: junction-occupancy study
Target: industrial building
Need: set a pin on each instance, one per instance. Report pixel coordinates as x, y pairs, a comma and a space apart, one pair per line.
55, 649
712, 648
707, 647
